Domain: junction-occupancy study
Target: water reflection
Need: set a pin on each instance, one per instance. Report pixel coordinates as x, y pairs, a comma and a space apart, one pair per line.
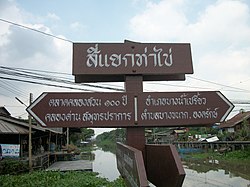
210, 173
105, 164
207, 173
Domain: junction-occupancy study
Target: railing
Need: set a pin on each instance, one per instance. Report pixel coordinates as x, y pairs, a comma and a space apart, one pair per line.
218, 145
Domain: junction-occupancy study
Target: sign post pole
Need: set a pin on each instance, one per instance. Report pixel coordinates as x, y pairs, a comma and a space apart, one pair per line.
134, 63
30, 138
135, 136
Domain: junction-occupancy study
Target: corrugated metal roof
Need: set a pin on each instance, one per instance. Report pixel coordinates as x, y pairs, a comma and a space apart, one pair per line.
237, 119
10, 128
20, 123
23, 125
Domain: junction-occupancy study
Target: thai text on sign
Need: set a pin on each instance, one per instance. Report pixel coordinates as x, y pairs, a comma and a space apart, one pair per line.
101, 61
127, 109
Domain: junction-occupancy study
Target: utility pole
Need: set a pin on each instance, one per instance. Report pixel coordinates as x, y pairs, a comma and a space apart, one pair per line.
30, 137
30, 130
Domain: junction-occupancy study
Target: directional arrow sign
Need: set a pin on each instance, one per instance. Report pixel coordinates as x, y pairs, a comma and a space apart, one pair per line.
182, 108
83, 109
128, 109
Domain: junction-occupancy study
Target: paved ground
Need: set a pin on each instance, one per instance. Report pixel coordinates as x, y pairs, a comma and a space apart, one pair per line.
76, 165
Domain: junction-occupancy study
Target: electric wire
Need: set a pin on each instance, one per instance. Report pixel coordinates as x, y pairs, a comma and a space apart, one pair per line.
217, 83
46, 84
46, 77
12, 88
29, 74
32, 29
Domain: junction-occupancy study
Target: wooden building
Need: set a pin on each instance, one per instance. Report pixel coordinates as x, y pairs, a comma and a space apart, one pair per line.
16, 131
235, 123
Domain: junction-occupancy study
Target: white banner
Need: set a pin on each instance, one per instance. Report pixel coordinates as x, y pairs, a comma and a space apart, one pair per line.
10, 150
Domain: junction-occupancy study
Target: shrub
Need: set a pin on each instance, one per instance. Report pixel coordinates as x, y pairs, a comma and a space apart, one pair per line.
12, 166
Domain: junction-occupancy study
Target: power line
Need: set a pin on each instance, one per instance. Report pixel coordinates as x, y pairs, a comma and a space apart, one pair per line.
50, 35
45, 77
218, 84
11, 89
45, 84
29, 28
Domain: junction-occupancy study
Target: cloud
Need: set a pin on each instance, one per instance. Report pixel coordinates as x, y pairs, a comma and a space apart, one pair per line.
24, 48
219, 34
168, 21
222, 29
159, 21
53, 16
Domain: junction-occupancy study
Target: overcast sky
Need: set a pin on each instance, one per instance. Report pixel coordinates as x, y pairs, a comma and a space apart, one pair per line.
218, 31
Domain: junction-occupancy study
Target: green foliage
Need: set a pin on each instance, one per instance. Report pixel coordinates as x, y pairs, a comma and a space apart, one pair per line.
85, 134
107, 140
239, 155
12, 166
244, 132
58, 179
113, 136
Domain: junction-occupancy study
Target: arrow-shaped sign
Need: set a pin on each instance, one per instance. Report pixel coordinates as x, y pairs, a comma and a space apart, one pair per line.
127, 109
83, 109
183, 108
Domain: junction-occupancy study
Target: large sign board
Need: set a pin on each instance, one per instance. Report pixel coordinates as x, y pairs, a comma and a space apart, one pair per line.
101, 62
131, 166
58, 109
182, 108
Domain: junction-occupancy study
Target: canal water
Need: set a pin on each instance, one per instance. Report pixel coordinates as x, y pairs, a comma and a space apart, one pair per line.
206, 173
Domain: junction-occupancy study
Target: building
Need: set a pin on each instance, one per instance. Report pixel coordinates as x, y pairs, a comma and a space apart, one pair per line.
235, 123
15, 131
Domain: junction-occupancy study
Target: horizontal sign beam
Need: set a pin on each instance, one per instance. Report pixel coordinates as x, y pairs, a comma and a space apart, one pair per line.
183, 108
146, 109
102, 62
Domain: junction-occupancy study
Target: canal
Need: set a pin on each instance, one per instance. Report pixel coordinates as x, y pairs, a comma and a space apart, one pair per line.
205, 173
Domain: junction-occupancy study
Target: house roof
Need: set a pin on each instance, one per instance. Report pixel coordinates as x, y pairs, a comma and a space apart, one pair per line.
11, 128
11, 125
4, 111
19, 125
237, 119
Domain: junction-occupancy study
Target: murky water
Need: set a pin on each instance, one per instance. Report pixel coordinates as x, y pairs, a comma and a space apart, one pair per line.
208, 173
105, 164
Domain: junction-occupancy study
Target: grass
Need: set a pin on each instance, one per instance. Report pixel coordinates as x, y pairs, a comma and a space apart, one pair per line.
239, 155
58, 179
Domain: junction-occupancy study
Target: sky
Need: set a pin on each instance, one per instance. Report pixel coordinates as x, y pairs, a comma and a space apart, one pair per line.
218, 31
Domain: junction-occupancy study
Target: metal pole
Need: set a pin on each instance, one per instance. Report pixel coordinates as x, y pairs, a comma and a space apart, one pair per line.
67, 138
30, 138
30, 129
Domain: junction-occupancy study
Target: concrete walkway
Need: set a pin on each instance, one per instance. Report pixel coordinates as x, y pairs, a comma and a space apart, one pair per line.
76, 165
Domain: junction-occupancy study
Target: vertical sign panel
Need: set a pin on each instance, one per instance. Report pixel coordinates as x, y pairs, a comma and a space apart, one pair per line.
131, 166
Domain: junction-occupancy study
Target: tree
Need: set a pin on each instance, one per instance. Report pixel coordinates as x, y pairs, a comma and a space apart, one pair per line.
84, 135
244, 133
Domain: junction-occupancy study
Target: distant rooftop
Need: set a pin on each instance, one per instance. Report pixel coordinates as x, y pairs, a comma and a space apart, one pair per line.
238, 118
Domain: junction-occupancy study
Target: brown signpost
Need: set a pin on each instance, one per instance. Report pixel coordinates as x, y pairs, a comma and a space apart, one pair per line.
58, 109
182, 108
102, 62
134, 109
131, 165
